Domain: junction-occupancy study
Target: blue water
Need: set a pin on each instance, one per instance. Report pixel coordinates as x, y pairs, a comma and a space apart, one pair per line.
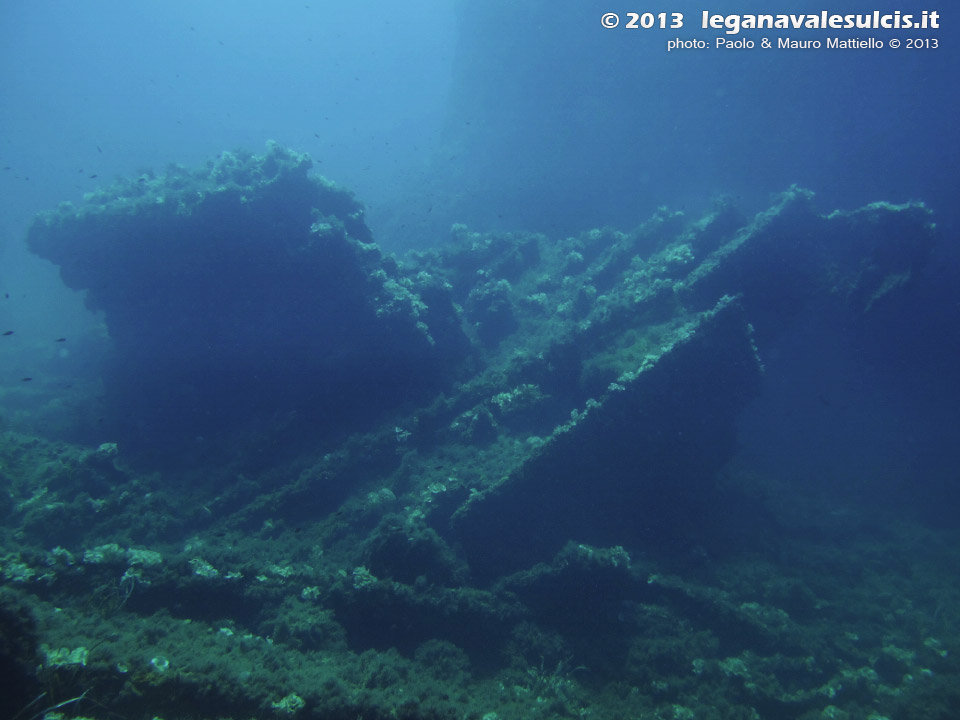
506, 117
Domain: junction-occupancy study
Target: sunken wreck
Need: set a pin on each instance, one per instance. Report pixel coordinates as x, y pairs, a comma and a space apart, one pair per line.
496, 446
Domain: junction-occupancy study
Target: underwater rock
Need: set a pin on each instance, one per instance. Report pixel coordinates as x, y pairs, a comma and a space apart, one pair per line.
18, 654
244, 289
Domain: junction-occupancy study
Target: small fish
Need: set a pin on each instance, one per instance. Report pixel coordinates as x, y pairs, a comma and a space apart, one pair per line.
8, 332
26, 379
60, 340
6, 296
99, 149
92, 176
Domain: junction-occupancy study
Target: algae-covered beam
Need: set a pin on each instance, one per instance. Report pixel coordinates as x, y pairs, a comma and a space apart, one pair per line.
660, 432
